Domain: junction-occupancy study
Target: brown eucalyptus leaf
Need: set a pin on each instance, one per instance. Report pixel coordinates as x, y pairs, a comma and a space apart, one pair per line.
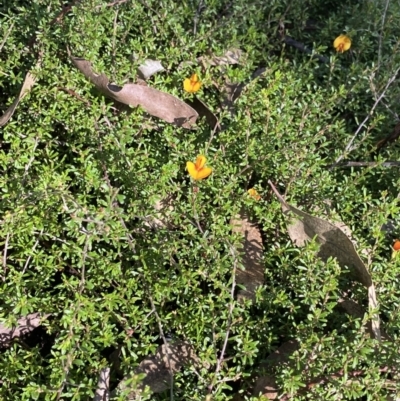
282, 354
333, 243
232, 90
153, 101
266, 385
253, 275
29, 81
159, 368
204, 111
24, 325
354, 309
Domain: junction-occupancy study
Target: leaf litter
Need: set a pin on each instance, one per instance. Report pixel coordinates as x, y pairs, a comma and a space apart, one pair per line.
253, 274
149, 68
24, 326
27, 85
158, 104
158, 369
333, 243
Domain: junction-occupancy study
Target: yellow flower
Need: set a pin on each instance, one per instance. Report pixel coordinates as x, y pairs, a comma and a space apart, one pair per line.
254, 194
342, 43
192, 84
197, 170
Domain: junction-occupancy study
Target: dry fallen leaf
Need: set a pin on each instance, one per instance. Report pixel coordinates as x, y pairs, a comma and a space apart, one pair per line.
168, 359
253, 275
103, 386
232, 56
354, 309
29, 81
24, 325
153, 101
333, 243
266, 384
204, 111
232, 90
159, 219
149, 68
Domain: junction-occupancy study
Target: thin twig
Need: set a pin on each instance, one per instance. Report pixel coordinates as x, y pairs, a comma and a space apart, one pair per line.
114, 47
199, 10
6, 37
326, 379
161, 330
300, 46
33, 250
349, 146
81, 287
52, 237
114, 3
5, 257
365, 164
229, 323
381, 32
28, 166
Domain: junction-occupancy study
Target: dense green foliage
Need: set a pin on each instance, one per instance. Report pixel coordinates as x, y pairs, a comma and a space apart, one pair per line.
80, 178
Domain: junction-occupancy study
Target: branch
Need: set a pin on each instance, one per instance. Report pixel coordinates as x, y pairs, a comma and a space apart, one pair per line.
349, 146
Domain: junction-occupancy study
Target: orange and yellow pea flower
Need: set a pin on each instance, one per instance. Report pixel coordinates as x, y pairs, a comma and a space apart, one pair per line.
396, 249
192, 84
342, 43
254, 194
197, 170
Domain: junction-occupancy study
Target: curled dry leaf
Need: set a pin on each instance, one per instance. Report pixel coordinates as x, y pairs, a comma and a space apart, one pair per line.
253, 275
159, 104
159, 369
333, 243
149, 68
27, 85
232, 56
24, 325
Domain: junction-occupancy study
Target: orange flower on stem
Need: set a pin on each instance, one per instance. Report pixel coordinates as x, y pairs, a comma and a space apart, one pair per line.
396, 249
342, 43
197, 170
254, 194
192, 84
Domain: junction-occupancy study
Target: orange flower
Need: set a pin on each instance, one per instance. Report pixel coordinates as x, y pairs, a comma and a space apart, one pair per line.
192, 84
197, 170
342, 43
396, 245
254, 194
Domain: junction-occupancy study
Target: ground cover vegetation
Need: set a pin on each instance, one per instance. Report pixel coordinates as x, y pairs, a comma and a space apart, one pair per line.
199, 200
